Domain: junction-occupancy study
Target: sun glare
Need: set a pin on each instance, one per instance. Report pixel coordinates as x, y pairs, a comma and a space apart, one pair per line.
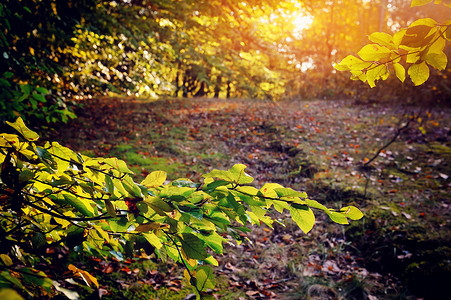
301, 22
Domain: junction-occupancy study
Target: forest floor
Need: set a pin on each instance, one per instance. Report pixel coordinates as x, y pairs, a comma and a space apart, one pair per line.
401, 249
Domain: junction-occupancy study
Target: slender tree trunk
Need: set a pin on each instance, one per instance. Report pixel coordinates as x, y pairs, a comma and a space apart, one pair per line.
228, 89
218, 86
382, 11
201, 91
177, 84
184, 87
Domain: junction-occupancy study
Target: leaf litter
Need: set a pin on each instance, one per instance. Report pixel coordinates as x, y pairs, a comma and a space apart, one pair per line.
314, 146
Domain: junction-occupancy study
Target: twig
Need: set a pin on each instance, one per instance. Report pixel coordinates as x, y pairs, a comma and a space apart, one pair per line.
392, 140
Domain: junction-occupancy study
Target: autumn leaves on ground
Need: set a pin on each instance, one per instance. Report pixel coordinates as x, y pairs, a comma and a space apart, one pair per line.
401, 247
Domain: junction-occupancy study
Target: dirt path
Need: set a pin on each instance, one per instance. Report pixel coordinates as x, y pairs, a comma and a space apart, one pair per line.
315, 146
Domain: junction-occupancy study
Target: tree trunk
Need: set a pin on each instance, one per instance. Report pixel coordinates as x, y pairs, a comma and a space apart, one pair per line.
382, 11
218, 86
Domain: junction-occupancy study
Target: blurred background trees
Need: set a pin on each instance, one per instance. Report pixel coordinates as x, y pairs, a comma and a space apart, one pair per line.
54, 51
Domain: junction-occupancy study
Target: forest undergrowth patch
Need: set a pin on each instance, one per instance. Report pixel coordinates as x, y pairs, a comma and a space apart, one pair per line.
315, 146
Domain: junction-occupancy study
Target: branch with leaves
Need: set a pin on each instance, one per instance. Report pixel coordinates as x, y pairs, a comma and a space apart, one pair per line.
417, 47
72, 200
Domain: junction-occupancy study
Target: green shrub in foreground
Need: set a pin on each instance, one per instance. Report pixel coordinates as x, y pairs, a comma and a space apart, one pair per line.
52, 196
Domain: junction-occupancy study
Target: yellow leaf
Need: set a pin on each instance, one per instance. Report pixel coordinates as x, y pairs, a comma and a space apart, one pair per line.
351, 62
412, 57
400, 71
87, 278
153, 240
419, 73
382, 38
437, 60
31, 51
154, 179
6, 260
376, 73
304, 218
10, 294
425, 21
398, 36
20, 126
437, 46
374, 52
420, 2
62, 222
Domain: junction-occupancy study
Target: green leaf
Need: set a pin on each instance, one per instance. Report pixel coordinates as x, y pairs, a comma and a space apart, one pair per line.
193, 246
42, 90
419, 73
176, 193
316, 204
287, 192
82, 205
192, 210
204, 278
131, 186
109, 184
214, 241
119, 225
37, 278
5, 277
185, 183
8, 74
154, 179
25, 175
39, 97
218, 218
351, 212
212, 261
399, 71
215, 184
28, 134
303, 216
44, 155
158, 205
110, 208
38, 240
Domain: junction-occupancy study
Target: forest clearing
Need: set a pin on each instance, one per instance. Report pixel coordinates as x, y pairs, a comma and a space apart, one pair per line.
316, 146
